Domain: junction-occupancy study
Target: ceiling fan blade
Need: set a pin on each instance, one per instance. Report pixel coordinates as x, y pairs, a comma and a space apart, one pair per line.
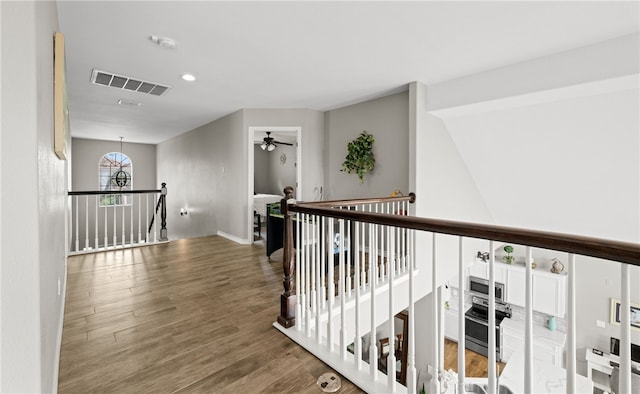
282, 143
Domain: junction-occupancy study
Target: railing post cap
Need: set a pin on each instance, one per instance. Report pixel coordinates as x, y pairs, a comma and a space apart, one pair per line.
164, 188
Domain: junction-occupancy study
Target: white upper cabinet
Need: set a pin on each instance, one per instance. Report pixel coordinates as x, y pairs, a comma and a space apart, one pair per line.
549, 290
515, 285
549, 293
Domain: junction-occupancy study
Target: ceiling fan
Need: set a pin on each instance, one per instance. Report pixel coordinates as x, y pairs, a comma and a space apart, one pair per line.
269, 143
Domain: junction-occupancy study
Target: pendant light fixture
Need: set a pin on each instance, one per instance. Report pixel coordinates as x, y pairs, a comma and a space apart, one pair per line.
121, 178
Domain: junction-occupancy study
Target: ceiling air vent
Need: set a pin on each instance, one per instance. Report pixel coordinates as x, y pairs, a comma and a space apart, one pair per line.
135, 85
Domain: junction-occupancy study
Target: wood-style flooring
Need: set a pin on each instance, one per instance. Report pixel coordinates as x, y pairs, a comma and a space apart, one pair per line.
190, 316
475, 365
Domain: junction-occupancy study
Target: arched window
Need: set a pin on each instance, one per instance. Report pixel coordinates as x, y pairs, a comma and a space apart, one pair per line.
115, 173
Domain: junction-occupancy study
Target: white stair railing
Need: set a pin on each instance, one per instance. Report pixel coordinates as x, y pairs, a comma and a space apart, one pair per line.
110, 217
379, 247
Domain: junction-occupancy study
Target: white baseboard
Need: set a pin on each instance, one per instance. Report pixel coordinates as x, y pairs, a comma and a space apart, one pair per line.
234, 238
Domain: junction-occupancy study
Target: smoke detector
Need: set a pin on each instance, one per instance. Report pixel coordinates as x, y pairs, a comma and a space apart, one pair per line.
164, 42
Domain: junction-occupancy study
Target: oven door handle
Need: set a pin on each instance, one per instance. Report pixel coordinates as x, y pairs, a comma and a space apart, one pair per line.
477, 321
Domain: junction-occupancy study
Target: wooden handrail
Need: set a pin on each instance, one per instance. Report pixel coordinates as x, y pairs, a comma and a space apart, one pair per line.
361, 201
94, 192
625, 252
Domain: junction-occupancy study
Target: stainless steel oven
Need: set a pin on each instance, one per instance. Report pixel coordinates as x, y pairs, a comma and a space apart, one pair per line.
476, 326
480, 287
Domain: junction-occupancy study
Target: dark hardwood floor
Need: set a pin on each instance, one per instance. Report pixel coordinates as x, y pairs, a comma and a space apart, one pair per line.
189, 316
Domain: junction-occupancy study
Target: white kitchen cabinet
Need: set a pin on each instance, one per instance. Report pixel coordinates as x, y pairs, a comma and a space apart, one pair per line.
515, 287
548, 346
549, 290
479, 270
549, 293
451, 324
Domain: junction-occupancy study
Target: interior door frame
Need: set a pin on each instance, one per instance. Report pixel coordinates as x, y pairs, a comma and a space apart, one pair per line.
294, 130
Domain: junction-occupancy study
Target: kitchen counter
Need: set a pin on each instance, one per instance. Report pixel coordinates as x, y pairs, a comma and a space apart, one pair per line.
546, 378
539, 332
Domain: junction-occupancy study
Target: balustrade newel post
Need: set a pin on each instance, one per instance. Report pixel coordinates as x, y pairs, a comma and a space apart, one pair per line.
287, 316
163, 213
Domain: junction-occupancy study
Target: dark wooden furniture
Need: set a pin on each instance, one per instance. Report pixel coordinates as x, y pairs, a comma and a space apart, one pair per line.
401, 353
275, 229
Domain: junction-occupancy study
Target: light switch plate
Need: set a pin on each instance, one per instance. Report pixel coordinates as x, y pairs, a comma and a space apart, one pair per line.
600, 323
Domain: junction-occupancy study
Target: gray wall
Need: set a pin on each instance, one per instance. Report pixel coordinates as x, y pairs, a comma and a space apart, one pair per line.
387, 119
203, 171
33, 183
87, 153
270, 175
261, 171
207, 170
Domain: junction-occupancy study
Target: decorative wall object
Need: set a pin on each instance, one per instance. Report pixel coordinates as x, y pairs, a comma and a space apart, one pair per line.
60, 107
635, 314
360, 158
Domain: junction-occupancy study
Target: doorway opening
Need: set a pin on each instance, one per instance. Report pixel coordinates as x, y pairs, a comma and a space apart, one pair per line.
274, 162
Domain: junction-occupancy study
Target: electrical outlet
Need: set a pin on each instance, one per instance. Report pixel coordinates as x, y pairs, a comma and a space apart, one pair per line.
600, 323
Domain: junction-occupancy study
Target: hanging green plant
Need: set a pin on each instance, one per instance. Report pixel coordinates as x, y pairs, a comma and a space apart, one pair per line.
360, 159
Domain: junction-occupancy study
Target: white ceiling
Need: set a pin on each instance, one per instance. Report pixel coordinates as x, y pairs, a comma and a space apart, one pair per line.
318, 55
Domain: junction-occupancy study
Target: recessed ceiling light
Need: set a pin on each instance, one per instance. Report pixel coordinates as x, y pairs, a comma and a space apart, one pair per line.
188, 77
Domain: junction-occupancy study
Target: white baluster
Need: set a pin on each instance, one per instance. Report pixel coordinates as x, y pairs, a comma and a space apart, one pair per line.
304, 288
86, 222
331, 285
155, 219
123, 225
317, 246
357, 343
311, 235
298, 283
377, 244
411, 358
347, 248
461, 330
625, 329
139, 217
435, 381
571, 318
323, 270
115, 239
373, 350
391, 358
106, 232
77, 239
342, 284
492, 323
528, 328
405, 233
131, 221
146, 229
307, 276
363, 275
97, 198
